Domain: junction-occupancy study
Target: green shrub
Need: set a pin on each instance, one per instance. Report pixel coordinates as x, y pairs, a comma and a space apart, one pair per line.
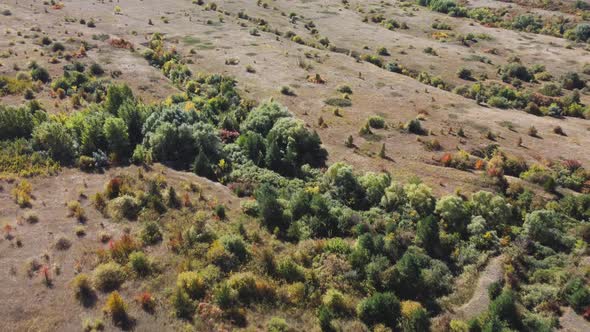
192, 284
571, 81
290, 271
528, 23
276, 324
577, 294
57, 47
344, 89
376, 122
336, 302
550, 89
40, 74
140, 263
504, 307
338, 102
150, 233
380, 308
414, 126
108, 276
235, 245
498, 101
377, 61
182, 305
96, 69
123, 207
464, 73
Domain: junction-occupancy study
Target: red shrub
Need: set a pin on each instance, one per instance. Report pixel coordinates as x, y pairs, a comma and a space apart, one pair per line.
447, 160
228, 136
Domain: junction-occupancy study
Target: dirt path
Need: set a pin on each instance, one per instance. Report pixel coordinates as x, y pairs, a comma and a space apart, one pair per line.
480, 300
570, 321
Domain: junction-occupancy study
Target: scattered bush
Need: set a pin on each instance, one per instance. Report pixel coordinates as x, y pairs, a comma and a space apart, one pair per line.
140, 263
108, 276
116, 308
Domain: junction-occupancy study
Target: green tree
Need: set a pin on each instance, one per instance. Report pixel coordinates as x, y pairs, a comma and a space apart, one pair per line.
117, 137
345, 186
117, 94
271, 210
261, 119
427, 234
134, 117
54, 138
454, 212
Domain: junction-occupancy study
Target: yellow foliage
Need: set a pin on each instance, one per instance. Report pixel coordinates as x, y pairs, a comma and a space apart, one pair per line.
409, 307
313, 190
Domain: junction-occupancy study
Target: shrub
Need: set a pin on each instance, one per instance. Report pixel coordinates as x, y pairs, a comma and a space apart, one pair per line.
219, 211
420, 198
124, 207
382, 51
140, 263
377, 61
581, 32
150, 233
393, 67
550, 89
376, 122
75, 210
414, 126
290, 271
108, 276
464, 73
516, 70
40, 74
344, 89
532, 131
504, 307
577, 294
182, 304
249, 288
338, 102
83, 290
414, 317
80, 231
62, 243
276, 324
146, 301
262, 118
571, 81
96, 69
287, 91
31, 217
380, 308
91, 325
22, 193
116, 308
498, 101
16, 122
306, 150
527, 23
192, 284
336, 302
57, 47
235, 245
